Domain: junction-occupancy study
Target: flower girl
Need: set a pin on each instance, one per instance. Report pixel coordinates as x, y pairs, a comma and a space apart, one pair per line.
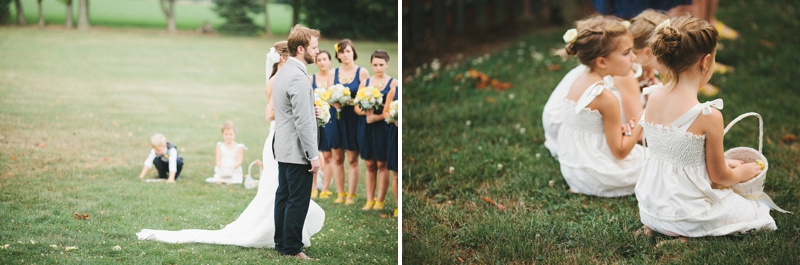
228, 169
598, 156
685, 157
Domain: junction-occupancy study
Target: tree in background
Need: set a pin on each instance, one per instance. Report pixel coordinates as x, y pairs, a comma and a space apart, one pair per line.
20, 14
169, 11
363, 19
83, 15
267, 30
5, 11
68, 21
235, 14
41, 18
295, 12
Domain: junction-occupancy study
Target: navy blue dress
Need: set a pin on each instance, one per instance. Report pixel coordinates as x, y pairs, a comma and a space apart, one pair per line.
627, 9
373, 136
392, 144
323, 131
344, 132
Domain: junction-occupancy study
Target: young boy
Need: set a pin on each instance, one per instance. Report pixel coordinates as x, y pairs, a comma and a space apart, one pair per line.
165, 157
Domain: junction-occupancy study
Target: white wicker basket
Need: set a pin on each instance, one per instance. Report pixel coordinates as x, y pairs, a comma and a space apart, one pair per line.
249, 181
754, 188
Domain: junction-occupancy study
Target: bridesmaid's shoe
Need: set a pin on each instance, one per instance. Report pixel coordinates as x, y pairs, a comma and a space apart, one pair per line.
314, 193
395, 212
378, 206
369, 205
341, 197
351, 198
325, 194
725, 32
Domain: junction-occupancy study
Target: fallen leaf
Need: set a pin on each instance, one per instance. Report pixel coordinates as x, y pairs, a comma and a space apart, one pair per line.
553, 67
167, 219
487, 199
789, 138
384, 216
5, 246
500, 85
501, 207
54, 246
80, 216
458, 78
491, 100
460, 260
42, 144
13, 157
767, 44
70, 248
105, 158
769, 141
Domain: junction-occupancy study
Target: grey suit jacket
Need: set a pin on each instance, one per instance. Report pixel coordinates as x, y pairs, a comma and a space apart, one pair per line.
296, 132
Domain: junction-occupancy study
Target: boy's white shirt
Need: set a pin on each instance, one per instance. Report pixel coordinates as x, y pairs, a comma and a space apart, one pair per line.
173, 159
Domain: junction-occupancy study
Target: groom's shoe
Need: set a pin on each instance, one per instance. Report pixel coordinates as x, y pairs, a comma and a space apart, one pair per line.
303, 256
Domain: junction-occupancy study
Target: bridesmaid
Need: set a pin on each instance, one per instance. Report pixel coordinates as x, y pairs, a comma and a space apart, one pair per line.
374, 142
391, 155
320, 80
344, 135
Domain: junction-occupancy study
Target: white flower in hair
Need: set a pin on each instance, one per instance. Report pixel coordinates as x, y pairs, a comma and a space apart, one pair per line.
571, 35
663, 24
626, 24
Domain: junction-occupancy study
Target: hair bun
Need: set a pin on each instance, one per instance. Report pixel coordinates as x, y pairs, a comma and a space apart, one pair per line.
666, 41
570, 49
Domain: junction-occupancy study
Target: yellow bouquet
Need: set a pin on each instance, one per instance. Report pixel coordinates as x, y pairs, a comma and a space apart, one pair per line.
394, 111
369, 98
338, 94
326, 112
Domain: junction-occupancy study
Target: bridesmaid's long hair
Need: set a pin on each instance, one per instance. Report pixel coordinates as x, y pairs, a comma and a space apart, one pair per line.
282, 48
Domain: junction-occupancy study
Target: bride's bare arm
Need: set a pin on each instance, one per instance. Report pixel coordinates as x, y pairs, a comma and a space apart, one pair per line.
270, 114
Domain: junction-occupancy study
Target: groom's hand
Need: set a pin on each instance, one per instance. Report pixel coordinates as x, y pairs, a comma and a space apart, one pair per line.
314, 166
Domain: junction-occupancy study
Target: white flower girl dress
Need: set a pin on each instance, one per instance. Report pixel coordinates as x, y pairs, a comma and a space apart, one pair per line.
674, 190
587, 163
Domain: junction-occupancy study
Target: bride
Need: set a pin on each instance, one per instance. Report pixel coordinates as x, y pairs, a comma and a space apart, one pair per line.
255, 227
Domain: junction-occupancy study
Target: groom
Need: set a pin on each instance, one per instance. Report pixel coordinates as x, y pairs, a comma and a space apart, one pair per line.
295, 142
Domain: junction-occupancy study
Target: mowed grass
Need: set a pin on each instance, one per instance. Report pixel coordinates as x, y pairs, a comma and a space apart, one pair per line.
77, 113
148, 14
494, 143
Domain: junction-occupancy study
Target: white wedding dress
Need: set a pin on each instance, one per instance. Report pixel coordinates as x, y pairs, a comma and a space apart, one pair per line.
255, 227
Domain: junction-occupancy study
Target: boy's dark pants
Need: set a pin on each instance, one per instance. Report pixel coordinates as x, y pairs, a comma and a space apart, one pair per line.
163, 168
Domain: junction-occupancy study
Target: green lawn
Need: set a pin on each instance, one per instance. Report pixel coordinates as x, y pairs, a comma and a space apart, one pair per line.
77, 112
448, 123
148, 14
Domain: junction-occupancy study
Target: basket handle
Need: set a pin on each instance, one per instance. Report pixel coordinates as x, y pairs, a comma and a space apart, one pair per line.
250, 167
760, 127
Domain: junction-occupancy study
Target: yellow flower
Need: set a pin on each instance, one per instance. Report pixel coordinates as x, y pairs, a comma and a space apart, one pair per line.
375, 92
336, 47
318, 103
347, 92
626, 24
760, 163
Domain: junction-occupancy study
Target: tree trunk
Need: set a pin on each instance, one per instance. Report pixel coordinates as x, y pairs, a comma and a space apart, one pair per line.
41, 18
68, 22
170, 13
20, 14
267, 31
295, 12
83, 15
